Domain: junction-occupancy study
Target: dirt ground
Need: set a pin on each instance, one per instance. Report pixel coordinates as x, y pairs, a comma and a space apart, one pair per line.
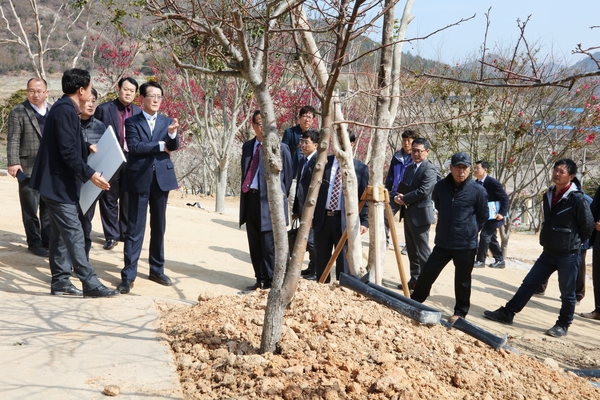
336, 344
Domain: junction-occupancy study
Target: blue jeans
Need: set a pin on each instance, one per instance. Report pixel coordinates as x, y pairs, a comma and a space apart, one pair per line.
567, 267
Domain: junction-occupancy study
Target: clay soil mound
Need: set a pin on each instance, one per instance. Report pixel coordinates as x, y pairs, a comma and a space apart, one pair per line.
340, 345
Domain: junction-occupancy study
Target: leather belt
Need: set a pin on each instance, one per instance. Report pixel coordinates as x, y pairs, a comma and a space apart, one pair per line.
253, 191
331, 213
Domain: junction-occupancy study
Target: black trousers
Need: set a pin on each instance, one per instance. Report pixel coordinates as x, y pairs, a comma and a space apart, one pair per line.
86, 225
596, 272
139, 203
67, 247
463, 263
325, 241
37, 230
113, 209
417, 246
260, 243
488, 239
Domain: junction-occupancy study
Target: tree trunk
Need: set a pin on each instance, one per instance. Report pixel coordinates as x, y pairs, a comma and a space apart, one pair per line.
221, 187
382, 119
279, 295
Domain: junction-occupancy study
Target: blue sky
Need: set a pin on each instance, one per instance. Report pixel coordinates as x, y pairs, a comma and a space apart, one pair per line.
557, 26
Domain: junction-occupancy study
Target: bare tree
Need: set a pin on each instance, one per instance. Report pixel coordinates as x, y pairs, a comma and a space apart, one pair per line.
238, 38
40, 30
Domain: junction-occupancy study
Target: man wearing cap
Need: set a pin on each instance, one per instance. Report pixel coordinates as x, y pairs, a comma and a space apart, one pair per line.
462, 211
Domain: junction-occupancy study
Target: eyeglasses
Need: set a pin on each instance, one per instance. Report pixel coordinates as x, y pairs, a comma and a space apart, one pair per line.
418, 151
155, 97
38, 92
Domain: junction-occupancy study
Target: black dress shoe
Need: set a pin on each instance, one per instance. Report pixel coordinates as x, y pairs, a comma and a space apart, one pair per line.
161, 279
125, 286
39, 251
110, 244
101, 291
498, 264
257, 285
66, 291
311, 277
307, 271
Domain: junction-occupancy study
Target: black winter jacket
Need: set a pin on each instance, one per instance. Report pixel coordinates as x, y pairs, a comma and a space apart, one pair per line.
462, 211
568, 224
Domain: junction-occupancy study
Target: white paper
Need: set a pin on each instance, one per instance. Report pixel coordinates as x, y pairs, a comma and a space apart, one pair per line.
108, 159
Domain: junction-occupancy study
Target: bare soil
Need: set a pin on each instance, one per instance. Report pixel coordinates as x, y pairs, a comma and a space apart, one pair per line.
339, 345
336, 344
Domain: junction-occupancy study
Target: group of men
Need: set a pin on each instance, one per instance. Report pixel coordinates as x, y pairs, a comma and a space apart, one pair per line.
298, 158
411, 180
467, 208
48, 147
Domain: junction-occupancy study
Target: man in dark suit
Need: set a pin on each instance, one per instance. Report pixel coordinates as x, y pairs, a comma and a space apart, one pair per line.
292, 136
113, 203
594, 241
254, 204
329, 221
308, 145
419, 180
487, 237
149, 176
59, 170
25, 126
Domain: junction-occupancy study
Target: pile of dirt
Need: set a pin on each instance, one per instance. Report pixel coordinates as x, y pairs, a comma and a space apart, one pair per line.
338, 344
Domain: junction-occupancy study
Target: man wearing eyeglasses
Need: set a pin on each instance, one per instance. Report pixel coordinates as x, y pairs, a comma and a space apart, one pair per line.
414, 194
25, 128
113, 203
149, 176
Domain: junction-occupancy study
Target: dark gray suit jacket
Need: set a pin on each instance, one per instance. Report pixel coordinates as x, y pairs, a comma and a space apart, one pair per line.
24, 137
419, 206
285, 178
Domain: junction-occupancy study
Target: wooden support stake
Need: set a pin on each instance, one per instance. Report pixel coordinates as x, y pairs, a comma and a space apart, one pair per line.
390, 218
370, 195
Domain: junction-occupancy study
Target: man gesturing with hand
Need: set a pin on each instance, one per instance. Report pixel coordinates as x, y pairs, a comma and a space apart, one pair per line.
149, 176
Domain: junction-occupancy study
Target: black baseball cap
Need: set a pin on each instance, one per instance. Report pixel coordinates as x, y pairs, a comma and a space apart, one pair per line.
460, 158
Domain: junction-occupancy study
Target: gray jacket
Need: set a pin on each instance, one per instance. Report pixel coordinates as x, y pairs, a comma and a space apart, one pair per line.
419, 207
92, 130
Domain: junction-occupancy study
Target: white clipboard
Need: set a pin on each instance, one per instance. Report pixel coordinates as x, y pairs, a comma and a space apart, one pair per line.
108, 159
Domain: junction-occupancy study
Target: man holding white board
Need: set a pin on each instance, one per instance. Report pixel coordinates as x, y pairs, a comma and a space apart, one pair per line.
58, 172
